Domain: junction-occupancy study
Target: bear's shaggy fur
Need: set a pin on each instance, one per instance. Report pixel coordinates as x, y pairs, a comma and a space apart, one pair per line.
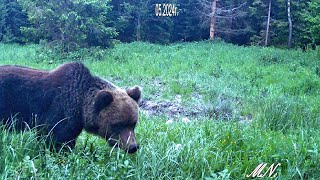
67, 100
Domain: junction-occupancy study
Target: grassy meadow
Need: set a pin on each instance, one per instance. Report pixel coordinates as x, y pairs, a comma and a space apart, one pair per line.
243, 105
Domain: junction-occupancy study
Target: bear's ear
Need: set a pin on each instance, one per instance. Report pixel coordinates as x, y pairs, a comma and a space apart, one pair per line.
134, 93
103, 99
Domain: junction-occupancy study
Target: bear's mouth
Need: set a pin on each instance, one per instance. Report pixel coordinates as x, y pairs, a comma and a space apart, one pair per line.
113, 143
129, 149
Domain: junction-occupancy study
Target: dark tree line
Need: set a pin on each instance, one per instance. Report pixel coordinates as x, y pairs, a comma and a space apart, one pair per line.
82, 23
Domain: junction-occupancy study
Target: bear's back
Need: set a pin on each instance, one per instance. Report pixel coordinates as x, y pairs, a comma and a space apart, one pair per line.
52, 95
18, 87
8, 71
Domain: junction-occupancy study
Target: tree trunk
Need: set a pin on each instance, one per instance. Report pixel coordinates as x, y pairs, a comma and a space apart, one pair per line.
268, 24
290, 24
138, 32
212, 18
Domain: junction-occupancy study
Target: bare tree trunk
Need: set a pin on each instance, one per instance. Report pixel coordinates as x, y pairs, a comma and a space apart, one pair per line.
290, 24
268, 24
138, 30
212, 18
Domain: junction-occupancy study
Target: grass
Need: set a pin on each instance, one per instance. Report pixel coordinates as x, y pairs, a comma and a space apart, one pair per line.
278, 88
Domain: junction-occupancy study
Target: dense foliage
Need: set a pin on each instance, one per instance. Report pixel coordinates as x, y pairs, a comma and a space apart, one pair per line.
69, 23
12, 18
84, 23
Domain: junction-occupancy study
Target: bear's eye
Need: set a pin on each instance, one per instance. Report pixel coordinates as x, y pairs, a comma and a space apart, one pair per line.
123, 125
117, 126
134, 124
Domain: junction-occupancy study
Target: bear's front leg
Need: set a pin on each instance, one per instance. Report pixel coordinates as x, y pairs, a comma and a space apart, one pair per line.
63, 133
57, 143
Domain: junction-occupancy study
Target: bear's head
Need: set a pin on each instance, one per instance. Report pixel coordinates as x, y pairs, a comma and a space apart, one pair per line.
115, 115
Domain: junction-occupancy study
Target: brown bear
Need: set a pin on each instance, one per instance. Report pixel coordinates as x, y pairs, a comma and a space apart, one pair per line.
66, 100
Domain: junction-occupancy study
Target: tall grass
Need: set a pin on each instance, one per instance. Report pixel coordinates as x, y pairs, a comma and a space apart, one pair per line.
200, 149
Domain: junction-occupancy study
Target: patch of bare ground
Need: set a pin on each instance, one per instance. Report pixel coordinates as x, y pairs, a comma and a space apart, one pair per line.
166, 107
225, 108
222, 107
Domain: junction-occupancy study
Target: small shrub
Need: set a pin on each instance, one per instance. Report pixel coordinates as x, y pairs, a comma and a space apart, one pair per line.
273, 58
56, 54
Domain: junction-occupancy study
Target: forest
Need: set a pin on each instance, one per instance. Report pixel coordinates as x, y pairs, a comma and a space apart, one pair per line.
73, 24
228, 87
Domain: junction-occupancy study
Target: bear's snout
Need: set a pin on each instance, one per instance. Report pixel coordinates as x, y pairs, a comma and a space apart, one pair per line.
133, 148
126, 140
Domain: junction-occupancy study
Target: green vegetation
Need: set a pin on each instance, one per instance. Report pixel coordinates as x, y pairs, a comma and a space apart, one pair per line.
272, 96
70, 24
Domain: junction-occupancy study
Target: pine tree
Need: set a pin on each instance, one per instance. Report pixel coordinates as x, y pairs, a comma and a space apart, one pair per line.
2, 18
12, 18
122, 18
144, 25
310, 18
189, 24
70, 24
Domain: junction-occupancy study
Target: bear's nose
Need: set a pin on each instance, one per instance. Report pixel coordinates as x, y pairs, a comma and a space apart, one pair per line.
133, 148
